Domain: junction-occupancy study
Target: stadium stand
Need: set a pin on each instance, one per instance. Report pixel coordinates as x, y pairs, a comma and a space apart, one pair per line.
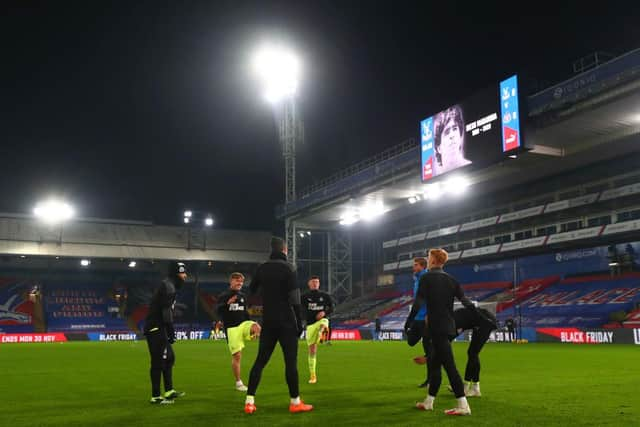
632, 320
526, 223
97, 305
363, 310
19, 312
82, 307
584, 302
526, 289
486, 291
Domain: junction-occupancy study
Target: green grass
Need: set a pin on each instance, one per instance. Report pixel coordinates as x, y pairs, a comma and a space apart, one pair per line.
360, 383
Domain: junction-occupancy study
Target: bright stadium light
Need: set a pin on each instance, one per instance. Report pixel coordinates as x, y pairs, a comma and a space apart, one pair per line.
53, 211
132, 264
85, 262
433, 191
349, 221
279, 70
371, 211
186, 220
208, 221
349, 218
308, 233
456, 185
188, 214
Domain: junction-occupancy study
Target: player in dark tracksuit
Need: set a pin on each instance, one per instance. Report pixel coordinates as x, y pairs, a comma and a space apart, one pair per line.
281, 322
438, 289
160, 334
481, 322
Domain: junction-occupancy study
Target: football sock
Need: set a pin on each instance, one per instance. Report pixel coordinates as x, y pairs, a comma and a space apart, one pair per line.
312, 365
462, 402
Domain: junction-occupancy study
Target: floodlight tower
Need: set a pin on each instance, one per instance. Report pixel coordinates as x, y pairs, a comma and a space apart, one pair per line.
279, 70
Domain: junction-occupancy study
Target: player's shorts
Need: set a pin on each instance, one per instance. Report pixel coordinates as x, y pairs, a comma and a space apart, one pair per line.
237, 335
313, 331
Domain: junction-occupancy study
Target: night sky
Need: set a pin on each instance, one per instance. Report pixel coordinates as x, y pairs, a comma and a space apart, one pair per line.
137, 110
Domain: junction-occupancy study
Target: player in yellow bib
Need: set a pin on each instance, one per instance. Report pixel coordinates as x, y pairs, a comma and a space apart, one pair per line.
232, 309
318, 306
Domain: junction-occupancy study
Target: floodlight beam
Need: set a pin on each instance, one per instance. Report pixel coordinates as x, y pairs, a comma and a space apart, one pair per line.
278, 68
53, 211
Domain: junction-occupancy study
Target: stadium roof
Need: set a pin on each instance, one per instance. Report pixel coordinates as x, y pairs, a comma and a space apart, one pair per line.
23, 235
588, 118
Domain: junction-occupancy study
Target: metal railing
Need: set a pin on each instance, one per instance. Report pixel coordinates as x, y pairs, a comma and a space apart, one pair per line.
396, 150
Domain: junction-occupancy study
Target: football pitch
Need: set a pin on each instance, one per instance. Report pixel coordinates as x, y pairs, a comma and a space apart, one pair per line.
359, 383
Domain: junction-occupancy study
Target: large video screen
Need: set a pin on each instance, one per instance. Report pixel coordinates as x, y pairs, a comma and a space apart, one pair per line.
478, 131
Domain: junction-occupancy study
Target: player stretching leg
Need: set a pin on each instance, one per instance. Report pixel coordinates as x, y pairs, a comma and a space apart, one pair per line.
318, 305
232, 310
481, 322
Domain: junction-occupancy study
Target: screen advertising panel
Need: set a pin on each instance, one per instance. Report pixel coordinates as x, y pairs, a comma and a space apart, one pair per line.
478, 131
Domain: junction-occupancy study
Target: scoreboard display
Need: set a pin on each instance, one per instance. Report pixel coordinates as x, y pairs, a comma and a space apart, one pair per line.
480, 130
